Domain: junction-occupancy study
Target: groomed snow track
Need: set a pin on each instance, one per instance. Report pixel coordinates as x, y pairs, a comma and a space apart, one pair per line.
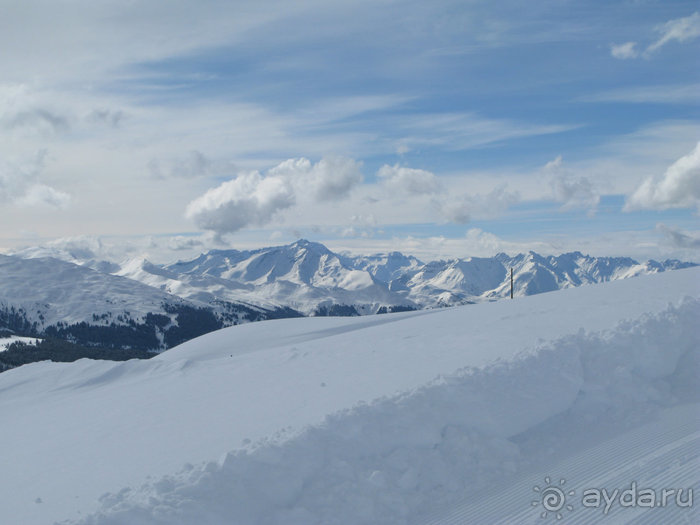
663, 454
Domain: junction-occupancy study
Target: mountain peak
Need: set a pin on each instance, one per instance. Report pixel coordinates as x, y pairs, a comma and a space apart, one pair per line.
309, 245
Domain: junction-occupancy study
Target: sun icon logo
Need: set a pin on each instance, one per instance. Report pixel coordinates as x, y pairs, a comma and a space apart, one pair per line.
553, 498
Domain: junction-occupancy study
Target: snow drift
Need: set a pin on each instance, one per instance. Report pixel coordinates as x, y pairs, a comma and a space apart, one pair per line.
364, 420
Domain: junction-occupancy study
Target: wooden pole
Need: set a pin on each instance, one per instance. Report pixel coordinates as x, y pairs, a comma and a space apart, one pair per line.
511, 283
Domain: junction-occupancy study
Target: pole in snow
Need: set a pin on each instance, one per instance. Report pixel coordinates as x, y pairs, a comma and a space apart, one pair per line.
511, 283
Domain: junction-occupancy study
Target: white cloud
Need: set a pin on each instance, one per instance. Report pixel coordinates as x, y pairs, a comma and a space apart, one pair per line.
110, 117
292, 168
41, 194
663, 94
19, 184
194, 164
678, 238
402, 149
624, 51
409, 180
333, 178
639, 244
464, 208
571, 191
679, 29
57, 40
480, 241
330, 179
474, 243
679, 187
467, 130
182, 243
249, 199
252, 199
38, 120
575, 193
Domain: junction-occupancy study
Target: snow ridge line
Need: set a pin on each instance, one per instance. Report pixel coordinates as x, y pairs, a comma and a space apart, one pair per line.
403, 457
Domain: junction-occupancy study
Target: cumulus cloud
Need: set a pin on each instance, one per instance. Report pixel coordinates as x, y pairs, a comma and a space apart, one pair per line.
249, 199
571, 191
677, 238
409, 180
679, 187
624, 51
329, 179
462, 209
679, 29
253, 199
334, 178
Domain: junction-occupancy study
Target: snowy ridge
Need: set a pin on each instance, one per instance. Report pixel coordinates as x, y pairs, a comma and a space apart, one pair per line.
348, 420
53, 291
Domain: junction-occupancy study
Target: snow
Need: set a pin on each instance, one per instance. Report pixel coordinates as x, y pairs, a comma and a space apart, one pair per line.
667, 448
51, 291
383, 419
5, 342
303, 276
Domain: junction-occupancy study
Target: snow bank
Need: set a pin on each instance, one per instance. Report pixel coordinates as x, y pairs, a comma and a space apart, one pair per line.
400, 457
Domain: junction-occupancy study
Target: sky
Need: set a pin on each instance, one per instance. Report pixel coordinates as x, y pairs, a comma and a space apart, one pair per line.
441, 129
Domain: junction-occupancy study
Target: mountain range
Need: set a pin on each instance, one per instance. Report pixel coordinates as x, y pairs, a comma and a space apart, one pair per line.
76, 296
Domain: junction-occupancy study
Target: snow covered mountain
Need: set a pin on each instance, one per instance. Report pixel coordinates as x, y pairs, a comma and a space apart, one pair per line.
434, 416
310, 278
88, 299
304, 275
65, 300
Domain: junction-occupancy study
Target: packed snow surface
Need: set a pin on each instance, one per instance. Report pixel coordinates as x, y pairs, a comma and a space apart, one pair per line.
383, 419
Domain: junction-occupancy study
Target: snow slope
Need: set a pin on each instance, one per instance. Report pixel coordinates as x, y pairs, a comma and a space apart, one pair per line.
66, 292
47, 296
382, 419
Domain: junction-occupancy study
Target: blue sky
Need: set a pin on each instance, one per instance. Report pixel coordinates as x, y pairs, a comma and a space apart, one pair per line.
442, 129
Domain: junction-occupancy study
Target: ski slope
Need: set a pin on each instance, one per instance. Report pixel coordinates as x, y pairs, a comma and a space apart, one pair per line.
397, 418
